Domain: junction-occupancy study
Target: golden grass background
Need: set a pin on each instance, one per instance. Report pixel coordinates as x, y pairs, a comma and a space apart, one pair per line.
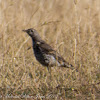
72, 27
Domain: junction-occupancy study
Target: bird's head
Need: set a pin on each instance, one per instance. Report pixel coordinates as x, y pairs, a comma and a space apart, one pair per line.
33, 34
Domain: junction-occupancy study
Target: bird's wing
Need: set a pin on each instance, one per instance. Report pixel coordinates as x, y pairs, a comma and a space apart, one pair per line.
48, 49
44, 47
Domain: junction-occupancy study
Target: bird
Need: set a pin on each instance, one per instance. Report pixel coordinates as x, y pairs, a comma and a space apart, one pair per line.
44, 53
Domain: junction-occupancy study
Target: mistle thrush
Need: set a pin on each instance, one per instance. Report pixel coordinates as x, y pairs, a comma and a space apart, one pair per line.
44, 53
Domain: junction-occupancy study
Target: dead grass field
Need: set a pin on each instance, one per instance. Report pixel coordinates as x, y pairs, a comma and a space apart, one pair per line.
72, 27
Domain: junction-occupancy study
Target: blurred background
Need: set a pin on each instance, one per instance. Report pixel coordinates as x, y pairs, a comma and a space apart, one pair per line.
72, 27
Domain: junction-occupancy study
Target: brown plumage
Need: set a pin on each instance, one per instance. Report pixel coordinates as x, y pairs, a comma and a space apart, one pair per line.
44, 53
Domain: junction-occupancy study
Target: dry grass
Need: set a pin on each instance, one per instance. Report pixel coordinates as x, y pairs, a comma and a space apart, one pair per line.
72, 27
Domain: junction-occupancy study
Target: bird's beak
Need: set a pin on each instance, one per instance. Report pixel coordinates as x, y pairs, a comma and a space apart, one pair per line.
27, 31
24, 30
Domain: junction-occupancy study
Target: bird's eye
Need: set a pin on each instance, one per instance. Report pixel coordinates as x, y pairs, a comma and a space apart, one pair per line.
31, 30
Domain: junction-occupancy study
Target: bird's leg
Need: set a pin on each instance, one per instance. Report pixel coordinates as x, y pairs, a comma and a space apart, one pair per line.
49, 70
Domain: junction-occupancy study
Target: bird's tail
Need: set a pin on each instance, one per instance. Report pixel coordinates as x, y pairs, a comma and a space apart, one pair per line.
67, 65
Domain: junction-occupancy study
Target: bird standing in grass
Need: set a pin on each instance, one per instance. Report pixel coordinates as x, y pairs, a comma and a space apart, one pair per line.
44, 53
